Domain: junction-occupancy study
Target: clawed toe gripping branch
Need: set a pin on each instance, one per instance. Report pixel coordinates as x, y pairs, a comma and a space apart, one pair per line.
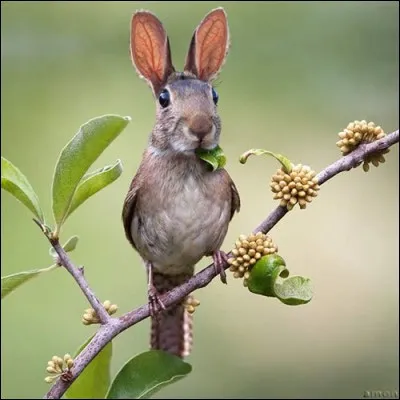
72, 185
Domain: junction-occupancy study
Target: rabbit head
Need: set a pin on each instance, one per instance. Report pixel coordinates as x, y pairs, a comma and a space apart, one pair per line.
186, 117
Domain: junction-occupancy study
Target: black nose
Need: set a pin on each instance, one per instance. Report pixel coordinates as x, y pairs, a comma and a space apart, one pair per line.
200, 125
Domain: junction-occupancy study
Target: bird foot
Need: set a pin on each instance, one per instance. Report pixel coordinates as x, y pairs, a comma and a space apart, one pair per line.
155, 303
220, 260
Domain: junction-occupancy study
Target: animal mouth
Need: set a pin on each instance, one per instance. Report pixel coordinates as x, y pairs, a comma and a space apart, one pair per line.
199, 140
205, 144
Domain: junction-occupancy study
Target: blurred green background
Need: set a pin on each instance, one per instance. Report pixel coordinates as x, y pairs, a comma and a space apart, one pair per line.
296, 74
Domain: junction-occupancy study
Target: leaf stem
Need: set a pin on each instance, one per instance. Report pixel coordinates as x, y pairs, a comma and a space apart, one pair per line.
285, 162
56, 234
54, 266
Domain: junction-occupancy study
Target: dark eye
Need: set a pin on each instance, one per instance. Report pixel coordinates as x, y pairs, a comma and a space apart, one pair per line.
215, 96
164, 98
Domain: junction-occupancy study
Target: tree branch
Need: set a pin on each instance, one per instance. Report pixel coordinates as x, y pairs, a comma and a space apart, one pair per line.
77, 274
114, 326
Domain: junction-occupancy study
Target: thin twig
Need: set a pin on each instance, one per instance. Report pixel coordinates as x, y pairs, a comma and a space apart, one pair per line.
114, 326
80, 279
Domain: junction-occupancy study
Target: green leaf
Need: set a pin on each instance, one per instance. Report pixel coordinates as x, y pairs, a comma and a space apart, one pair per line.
10, 282
285, 162
95, 379
78, 155
16, 183
146, 374
264, 274
93, 182
69, 245
268, 278
294, 291
215, 157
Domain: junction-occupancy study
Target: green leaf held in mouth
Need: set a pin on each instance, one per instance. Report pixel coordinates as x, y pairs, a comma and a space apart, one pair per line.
215, 157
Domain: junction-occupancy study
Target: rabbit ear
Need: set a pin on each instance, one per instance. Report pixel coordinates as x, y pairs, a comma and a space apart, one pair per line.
209, 46
150, 51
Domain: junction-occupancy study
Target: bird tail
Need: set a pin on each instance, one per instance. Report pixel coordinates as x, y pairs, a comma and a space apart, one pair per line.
171, 329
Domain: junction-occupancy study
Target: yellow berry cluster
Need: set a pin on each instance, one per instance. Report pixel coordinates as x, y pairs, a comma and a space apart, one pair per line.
298, 186
362, 131
190, 304
58, 366
90, 316
249, 249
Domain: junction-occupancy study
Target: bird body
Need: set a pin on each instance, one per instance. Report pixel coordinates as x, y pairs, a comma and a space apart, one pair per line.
177, 210
180, 213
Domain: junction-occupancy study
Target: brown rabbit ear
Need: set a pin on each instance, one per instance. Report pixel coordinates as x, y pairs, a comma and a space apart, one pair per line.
150, 51
209, 46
